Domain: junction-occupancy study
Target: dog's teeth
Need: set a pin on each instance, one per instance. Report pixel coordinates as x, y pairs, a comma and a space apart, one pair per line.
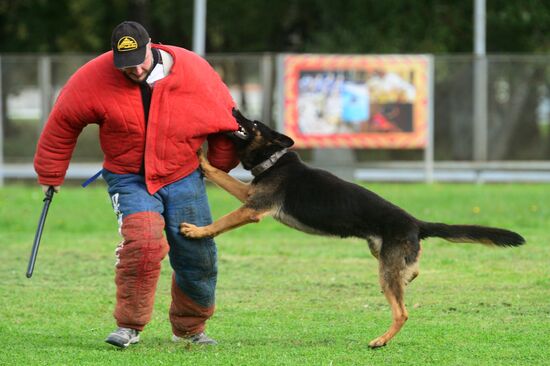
241, 133
241, 130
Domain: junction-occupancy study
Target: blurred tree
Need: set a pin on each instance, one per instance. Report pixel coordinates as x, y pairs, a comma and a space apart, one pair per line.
323, 26
67, 26
366, 26
518, 26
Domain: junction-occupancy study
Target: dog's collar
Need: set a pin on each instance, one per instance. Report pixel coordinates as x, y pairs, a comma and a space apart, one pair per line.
262, 167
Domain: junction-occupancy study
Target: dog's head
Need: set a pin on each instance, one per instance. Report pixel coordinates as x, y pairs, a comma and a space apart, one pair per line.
255, 142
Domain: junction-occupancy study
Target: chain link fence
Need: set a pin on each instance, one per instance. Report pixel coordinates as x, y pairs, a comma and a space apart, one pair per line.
517, 142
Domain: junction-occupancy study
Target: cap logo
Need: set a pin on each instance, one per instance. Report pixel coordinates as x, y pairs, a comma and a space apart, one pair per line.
126, 43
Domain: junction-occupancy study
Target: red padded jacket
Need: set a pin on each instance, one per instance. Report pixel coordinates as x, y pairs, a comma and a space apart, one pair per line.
188, 106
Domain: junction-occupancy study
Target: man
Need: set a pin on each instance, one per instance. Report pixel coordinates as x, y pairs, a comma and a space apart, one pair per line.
155, 106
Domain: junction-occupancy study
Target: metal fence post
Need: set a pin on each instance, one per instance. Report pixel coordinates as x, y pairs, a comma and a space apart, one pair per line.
1, 129
280, 82
45, 86
199, 27
480, 85
429, 150
266, 70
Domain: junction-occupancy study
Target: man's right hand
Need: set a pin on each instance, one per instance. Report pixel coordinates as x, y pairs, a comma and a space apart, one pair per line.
46, 187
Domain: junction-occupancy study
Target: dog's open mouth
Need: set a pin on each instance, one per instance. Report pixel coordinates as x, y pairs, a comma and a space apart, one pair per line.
241, 133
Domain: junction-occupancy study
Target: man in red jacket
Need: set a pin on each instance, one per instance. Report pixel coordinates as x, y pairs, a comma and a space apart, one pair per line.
155, 106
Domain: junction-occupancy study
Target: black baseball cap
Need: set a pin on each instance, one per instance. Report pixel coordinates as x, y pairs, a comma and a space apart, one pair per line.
129, 43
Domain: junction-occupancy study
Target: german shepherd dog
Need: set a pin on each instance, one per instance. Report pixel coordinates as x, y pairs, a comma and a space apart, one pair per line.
317, 202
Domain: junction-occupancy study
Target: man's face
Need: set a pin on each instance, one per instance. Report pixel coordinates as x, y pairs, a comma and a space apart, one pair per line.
139, 73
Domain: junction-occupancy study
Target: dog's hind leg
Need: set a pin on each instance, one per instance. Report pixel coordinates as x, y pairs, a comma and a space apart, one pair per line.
396, 269
393, 288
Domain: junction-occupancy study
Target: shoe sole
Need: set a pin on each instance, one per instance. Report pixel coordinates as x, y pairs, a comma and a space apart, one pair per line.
177, 339
119, 344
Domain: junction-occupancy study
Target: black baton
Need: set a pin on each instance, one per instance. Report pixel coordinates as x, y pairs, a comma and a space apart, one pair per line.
32, 260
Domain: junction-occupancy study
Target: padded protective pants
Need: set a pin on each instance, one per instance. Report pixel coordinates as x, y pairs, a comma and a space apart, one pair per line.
143, 220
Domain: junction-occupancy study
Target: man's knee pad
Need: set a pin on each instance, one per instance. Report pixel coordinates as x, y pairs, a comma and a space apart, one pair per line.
187, 317
143, 239
139, 259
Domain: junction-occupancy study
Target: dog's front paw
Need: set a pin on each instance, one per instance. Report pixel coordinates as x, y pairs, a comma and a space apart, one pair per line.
192, 231
204, 163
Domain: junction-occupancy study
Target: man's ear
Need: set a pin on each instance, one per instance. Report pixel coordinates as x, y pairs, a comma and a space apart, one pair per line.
283, 140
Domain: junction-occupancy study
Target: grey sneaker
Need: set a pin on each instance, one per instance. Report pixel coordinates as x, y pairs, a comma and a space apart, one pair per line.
123, 337
200, 339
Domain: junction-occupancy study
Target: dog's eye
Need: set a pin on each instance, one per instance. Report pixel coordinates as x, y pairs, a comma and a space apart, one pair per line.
255, 125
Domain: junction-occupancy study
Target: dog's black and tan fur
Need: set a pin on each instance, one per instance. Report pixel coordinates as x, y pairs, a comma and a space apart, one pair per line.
317, 202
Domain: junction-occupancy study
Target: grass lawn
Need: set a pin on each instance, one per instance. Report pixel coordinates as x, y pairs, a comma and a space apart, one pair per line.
284, 297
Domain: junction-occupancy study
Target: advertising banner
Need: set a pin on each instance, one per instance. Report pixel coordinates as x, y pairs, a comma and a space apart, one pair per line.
372, 102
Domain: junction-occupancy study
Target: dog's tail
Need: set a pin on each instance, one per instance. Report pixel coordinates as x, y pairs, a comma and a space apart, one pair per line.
471, 234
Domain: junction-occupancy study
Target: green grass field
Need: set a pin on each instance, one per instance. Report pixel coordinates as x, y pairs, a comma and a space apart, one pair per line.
284, 297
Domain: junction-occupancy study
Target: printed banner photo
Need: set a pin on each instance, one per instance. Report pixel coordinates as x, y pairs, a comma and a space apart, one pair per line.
337, 101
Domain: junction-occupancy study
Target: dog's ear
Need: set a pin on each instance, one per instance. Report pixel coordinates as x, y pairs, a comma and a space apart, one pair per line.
283, 140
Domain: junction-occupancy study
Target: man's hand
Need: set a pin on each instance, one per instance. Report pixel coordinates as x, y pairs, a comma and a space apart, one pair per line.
46, 187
